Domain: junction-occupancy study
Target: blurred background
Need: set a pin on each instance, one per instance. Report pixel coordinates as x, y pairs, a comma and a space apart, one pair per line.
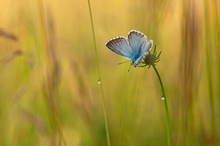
49, 91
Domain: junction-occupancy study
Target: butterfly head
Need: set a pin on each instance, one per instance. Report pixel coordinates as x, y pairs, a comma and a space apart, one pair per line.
135, 62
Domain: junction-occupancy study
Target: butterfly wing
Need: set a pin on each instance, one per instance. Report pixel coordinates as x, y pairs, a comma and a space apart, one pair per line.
133, 48
135, 39
138, 41
145, 47
120, 46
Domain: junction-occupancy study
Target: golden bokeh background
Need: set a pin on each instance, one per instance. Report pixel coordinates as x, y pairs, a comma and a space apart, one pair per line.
49, 73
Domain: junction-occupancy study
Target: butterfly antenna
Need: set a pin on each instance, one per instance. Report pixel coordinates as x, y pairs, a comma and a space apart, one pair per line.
129, 67
123, 62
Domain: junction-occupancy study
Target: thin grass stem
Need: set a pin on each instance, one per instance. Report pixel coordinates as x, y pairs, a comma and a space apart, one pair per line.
99, 76
166, 108
209, 66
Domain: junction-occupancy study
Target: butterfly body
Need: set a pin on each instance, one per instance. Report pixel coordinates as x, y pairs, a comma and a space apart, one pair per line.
134, 47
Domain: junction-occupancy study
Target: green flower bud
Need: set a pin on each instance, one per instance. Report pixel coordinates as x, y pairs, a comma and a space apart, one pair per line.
150, 59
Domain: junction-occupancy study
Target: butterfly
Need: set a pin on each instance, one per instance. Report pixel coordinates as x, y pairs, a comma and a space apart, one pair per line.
134, 47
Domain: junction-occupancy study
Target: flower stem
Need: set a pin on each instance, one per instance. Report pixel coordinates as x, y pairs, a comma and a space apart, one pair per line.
166, 108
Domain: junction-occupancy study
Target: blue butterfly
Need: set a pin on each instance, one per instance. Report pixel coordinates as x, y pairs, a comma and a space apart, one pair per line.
134, 47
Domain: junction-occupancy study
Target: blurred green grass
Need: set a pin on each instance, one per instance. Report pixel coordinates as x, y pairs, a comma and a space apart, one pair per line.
49, 93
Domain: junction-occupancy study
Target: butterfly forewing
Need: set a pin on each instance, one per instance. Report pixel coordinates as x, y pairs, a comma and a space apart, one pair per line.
120, 46
135, 39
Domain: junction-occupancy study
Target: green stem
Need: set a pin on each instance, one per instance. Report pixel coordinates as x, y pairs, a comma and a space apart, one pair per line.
99, 76
166, 108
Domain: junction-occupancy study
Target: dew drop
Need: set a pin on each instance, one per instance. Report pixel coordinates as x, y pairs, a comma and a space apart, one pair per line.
162, 98
99, 82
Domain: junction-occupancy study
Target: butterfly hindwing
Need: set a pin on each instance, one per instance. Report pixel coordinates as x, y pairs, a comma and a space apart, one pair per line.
120, 46
146, 46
